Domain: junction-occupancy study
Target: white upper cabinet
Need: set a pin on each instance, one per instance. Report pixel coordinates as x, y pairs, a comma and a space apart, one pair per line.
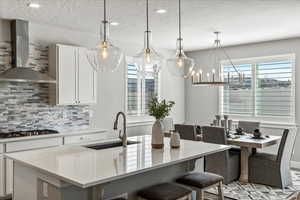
87, 78
76, 78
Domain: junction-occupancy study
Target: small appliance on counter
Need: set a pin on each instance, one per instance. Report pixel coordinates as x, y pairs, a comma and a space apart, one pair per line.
15, 134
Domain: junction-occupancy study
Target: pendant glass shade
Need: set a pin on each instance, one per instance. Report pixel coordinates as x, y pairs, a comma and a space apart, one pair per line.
148, 60
105, 57
180, 65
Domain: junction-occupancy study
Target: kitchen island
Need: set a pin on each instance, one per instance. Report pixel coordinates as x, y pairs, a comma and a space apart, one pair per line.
80, 173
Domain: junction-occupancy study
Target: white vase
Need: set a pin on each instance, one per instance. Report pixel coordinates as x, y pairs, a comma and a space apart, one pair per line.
157, 135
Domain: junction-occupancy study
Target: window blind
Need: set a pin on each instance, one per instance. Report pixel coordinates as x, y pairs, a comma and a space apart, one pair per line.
238, 99
274, 91
132, 90
140, 90
268, 89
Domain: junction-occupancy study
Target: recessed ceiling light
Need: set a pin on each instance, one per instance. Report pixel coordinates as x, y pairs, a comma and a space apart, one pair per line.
33, 5
161, 11
114, 23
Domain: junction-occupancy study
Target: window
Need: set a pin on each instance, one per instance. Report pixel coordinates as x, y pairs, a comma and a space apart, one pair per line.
268, 91
140, 90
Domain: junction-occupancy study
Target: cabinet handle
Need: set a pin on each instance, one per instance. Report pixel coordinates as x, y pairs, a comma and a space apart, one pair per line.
81, 138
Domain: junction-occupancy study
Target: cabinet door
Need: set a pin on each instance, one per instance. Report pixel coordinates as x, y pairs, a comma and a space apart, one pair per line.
66, 68
87, 79
2, 178
9, 176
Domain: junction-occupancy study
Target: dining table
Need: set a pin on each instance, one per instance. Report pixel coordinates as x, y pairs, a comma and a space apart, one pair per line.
248, 145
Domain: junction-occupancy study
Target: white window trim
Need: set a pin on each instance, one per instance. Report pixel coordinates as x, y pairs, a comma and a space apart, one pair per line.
255, 60
138, 120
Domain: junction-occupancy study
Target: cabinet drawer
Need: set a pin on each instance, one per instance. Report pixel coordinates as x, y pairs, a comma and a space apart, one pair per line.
33, 144
84, 138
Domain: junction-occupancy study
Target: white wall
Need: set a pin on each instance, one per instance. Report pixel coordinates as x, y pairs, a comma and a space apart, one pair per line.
202, 102
111, 86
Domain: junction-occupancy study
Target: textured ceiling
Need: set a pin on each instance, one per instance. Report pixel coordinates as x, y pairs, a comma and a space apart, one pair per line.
240, 21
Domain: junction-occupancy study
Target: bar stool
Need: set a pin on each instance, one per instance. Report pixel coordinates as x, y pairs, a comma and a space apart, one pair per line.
165, 191
201, 182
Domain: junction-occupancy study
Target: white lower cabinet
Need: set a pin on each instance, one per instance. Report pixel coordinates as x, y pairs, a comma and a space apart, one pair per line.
2, 176
9, 176
6, 165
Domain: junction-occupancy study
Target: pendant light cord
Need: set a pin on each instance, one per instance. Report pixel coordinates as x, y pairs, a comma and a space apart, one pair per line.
147, 22
179, 26
104, 21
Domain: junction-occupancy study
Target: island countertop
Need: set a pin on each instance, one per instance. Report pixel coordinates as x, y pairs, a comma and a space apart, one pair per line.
86, 167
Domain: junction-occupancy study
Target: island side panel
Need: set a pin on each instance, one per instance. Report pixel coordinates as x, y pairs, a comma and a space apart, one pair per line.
25, 183
30, 184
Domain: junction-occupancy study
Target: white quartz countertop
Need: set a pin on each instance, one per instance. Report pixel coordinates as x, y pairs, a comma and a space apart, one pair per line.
60, 134
86, 167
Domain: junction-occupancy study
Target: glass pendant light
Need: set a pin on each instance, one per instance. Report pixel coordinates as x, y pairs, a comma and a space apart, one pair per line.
148, 60
106, 56
180, 63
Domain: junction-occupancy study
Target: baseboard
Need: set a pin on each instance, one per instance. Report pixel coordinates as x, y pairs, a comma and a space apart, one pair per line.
295, 165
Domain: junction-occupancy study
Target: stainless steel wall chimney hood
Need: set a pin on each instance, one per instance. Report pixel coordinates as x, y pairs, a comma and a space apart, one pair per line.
20, 54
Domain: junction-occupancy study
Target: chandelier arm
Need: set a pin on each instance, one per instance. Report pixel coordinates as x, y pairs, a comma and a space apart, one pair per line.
227, 56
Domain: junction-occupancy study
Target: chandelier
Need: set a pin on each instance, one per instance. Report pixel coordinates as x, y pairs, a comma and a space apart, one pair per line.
217, 76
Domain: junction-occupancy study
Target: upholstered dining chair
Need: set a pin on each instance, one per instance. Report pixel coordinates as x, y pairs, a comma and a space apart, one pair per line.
274, 170
186, 132
248, 127
227, 163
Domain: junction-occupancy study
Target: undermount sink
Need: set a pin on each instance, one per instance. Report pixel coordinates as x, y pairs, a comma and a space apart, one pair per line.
108, 145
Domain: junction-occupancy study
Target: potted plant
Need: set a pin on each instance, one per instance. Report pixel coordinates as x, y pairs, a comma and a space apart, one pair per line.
159, 110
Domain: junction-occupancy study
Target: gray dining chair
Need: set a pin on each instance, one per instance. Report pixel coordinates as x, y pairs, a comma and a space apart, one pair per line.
248, 127
186, 132
226, 163
274, 170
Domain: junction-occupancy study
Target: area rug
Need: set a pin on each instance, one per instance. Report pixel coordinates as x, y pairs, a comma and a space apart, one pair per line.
242, 191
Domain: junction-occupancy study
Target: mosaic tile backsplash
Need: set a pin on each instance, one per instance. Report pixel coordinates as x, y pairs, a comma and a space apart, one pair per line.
24, 106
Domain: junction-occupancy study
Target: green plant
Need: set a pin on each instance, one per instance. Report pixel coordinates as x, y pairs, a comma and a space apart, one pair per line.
160, 110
